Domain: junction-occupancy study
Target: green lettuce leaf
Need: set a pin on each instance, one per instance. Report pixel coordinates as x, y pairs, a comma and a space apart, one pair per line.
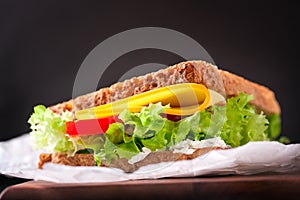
49, 130
274, 126
149, 127
242, 123
236, 123
144, 129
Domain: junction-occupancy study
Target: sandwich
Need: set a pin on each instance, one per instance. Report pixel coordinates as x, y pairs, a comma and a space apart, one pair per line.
177, 113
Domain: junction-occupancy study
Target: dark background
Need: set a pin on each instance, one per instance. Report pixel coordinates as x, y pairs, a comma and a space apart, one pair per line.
43, 43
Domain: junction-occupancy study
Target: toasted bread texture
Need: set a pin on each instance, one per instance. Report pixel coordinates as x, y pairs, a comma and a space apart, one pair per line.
201, 72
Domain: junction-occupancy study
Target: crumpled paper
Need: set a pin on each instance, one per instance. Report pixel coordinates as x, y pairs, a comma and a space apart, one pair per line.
19, 159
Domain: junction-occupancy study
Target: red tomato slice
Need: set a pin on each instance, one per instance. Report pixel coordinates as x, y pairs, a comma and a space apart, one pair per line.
90, 126
98, 126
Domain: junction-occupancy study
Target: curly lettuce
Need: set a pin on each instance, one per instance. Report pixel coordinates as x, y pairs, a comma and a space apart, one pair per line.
237, 123
49, 130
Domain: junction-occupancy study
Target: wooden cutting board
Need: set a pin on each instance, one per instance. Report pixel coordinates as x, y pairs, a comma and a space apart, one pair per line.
267, 186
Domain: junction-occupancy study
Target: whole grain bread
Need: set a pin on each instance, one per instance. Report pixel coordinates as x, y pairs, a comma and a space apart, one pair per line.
200, 72
122, 163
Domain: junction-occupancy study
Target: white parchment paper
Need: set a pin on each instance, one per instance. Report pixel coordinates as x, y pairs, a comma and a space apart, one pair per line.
19, 159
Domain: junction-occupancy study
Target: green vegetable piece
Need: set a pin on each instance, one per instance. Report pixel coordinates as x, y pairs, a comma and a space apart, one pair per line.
274, 126
115, 133
48, 131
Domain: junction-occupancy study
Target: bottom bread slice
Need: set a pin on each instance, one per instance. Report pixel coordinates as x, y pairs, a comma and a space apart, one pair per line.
122, 163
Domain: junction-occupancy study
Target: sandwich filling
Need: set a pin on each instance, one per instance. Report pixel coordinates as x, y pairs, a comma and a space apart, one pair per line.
175, 118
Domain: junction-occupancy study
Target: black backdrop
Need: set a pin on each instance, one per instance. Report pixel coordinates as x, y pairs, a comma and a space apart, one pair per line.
43, 43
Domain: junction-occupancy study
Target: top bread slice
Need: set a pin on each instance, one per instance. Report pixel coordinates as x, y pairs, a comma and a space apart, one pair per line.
200, 72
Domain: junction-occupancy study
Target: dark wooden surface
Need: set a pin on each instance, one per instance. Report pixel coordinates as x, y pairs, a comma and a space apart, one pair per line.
267, 186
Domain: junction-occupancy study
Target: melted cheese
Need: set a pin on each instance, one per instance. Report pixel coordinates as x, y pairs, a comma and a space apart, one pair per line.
184, 99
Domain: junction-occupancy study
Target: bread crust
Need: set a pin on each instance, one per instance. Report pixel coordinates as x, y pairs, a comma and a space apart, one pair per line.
200, 72
264, 98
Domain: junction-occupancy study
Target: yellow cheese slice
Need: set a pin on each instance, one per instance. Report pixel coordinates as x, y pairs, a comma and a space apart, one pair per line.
184, 99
